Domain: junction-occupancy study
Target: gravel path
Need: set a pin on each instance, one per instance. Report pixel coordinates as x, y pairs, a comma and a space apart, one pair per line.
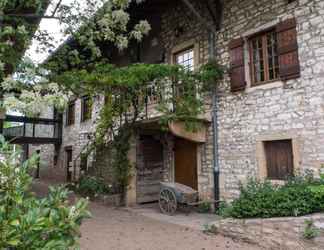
120, 229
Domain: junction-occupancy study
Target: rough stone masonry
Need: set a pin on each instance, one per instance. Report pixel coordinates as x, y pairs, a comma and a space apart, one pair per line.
278, 110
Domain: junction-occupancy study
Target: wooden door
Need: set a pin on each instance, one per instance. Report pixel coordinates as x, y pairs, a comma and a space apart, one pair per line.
149, 169
186, 163
279, 156
69, 165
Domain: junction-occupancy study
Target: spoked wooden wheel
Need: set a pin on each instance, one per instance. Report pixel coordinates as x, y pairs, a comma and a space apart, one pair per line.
168, 202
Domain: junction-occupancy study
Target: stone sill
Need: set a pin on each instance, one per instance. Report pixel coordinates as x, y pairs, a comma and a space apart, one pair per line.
265, 86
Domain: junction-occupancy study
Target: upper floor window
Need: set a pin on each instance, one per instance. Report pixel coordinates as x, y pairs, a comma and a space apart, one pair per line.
186, 59
273, 55
70, 113
86, 108
264, 64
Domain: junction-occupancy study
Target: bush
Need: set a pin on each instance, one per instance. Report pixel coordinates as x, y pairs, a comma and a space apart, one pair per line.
204, 207
297, 197
92, 186
30, 223
310, 231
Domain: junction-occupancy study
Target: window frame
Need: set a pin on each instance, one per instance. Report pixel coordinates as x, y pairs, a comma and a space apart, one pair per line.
263, 34
273, 174
86, 108
70, 115
183, 52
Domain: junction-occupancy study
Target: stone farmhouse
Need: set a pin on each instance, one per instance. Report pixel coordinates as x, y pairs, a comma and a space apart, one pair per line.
265, 119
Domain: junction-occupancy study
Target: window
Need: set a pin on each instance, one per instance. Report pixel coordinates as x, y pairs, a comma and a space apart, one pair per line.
273, 55
70, 113
279, 159
83, 163
264, 58
186, 59
86, 108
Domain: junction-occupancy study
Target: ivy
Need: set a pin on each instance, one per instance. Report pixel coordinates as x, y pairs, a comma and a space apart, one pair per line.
180, 92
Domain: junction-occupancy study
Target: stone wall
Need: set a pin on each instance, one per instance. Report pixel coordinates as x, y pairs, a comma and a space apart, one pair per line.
192, 33
78, 135
275, 233
279, 110
48, 170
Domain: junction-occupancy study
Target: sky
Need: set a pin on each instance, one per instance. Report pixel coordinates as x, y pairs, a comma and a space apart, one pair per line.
53, 27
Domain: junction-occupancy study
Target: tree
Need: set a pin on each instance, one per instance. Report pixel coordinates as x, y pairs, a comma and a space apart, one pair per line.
19, 20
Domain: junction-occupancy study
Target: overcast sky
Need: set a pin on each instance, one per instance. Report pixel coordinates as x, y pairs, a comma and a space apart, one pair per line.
53, 27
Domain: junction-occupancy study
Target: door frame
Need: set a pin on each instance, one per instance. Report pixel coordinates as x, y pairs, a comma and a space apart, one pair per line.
68, 149
198, 161
139, 145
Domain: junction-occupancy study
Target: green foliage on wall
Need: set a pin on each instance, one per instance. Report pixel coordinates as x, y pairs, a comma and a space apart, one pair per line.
180, 95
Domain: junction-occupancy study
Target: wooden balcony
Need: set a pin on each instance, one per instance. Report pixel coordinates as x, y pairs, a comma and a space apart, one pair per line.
25, 130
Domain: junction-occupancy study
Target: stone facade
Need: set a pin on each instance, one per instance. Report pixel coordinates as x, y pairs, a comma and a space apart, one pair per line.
48, 170
192, 33
275, 233
278, 110
77, 136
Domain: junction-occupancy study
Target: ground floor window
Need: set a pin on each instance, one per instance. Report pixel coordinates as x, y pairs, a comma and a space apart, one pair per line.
279, 159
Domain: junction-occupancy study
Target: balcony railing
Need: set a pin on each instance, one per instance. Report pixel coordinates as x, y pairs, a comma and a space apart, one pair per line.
33, 130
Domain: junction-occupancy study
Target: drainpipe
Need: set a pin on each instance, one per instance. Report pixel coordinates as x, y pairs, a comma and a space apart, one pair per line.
212, 56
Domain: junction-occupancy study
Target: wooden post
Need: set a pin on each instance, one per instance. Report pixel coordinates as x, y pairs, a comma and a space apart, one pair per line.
37, 175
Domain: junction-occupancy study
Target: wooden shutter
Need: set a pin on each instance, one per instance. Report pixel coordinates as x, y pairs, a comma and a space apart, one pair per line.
279, 156
289, 67
237, 69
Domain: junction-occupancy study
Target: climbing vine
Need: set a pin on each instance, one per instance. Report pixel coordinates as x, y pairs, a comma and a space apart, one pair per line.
179, 96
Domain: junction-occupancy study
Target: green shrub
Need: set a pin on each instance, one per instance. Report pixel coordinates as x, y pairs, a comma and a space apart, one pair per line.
318, 196
299, 196
92, 186
204, 207
310, 231
30, 223
224, 210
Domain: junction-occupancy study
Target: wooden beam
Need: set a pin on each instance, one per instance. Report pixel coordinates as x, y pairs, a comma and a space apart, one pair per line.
23, 119
199, 17
32, 140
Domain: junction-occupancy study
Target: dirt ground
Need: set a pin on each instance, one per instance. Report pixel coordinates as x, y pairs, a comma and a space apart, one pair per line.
144, 229
120, 229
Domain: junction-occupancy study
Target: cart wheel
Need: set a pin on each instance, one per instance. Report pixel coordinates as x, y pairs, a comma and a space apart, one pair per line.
168, 202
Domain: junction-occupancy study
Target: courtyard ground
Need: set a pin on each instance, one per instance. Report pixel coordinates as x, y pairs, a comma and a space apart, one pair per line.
144, 228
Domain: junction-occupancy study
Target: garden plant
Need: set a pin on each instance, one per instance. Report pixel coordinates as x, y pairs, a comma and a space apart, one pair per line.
28, 222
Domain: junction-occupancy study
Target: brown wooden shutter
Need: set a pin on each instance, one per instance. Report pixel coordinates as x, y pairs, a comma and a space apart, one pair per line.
289, 67
279, 156
237, 70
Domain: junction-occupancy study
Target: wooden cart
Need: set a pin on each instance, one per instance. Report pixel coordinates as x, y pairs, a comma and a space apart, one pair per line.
173, 195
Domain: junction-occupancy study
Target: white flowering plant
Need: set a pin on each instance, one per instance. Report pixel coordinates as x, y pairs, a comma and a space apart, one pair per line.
89, 22
29, 92
27, 222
